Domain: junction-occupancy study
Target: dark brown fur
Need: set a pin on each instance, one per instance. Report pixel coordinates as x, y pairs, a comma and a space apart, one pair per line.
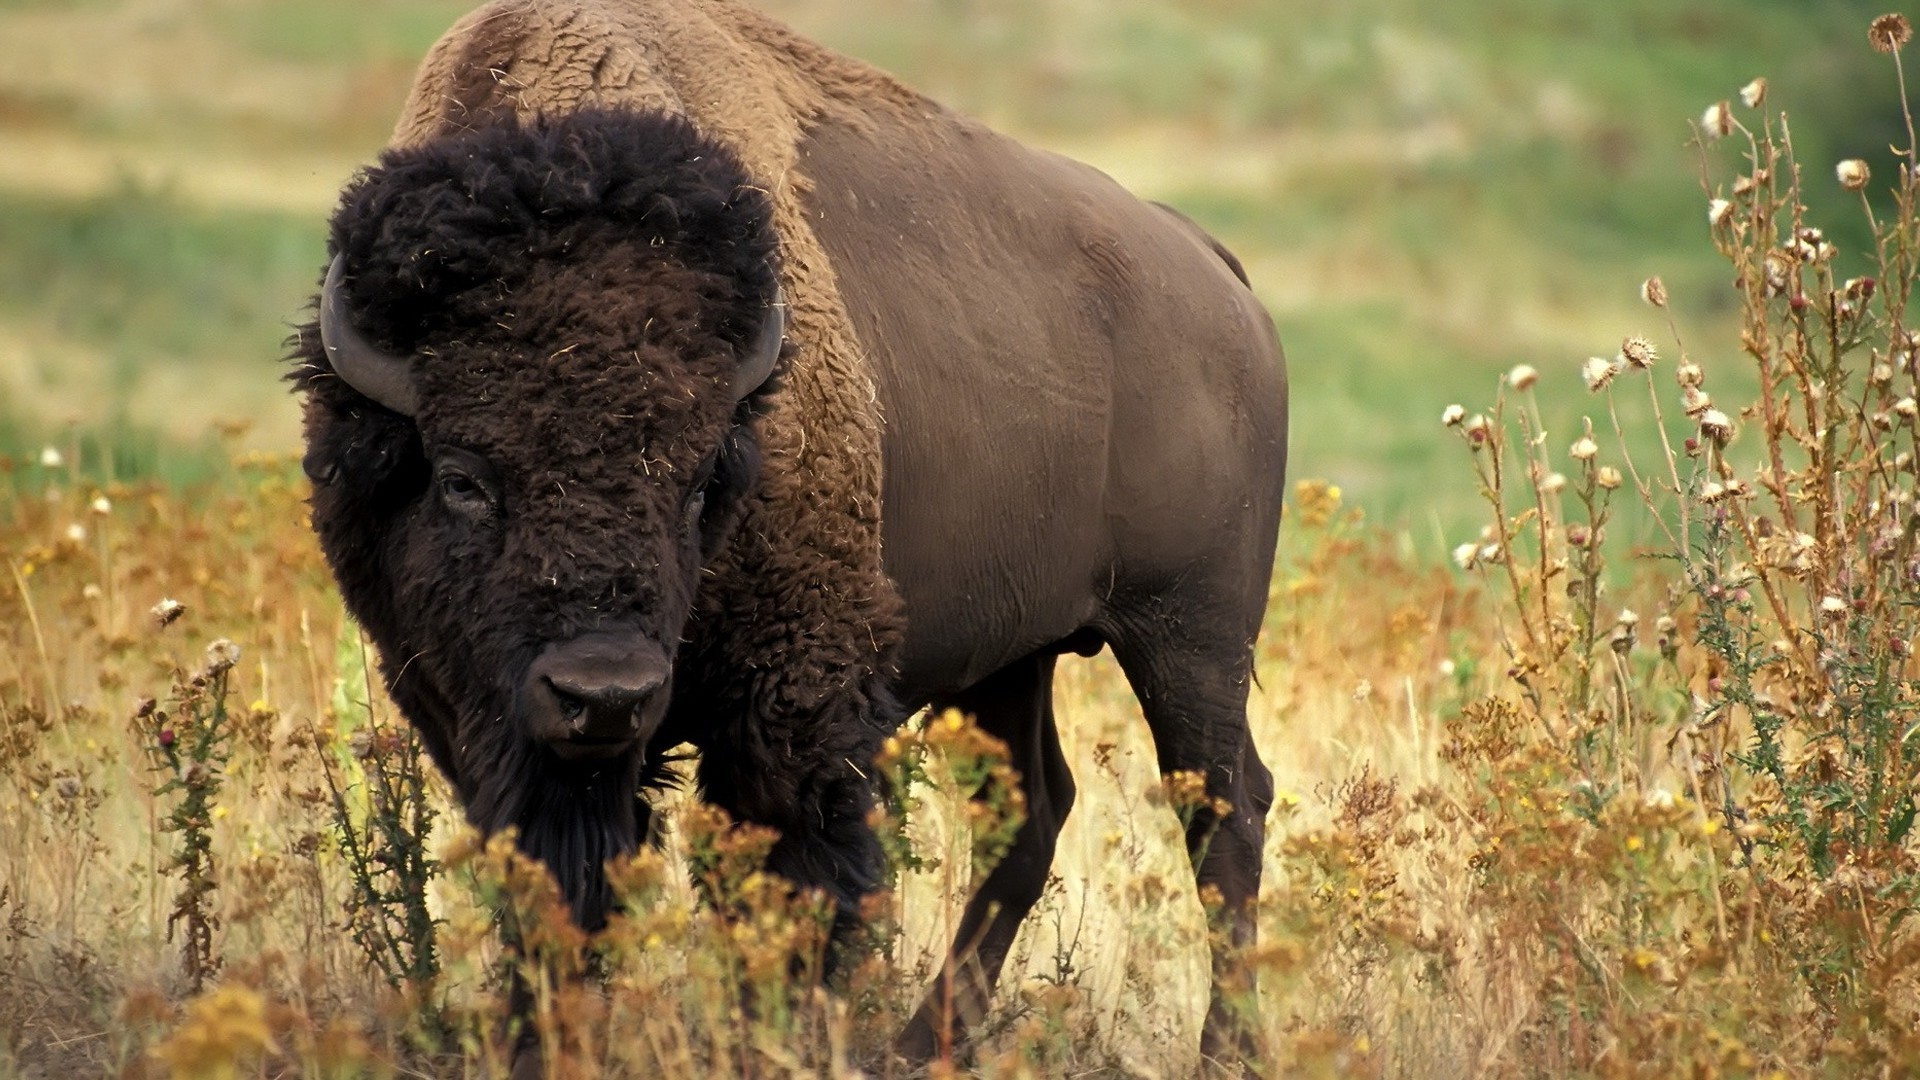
1021, 412
576, 295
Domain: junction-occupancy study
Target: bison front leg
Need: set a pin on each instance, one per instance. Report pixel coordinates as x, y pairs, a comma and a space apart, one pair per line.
809, 778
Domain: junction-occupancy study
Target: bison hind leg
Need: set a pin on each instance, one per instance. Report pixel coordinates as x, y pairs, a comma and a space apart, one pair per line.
1015, 705
1190, 664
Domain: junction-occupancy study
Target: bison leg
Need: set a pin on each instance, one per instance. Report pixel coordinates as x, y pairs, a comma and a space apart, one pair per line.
1015, 705
1194, 694
816, 790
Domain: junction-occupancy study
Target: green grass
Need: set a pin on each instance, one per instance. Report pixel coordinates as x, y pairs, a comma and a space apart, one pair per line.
317, 33
1440, 191
145, 279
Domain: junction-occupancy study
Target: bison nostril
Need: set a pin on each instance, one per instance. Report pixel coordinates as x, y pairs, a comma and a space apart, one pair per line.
573, 708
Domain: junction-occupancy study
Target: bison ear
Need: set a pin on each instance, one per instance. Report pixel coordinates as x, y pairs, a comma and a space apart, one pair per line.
756, 365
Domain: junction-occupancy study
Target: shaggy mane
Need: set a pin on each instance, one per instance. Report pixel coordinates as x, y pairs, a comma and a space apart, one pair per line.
436, 234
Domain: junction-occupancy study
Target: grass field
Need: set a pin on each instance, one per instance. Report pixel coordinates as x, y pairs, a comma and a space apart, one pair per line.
1522, 831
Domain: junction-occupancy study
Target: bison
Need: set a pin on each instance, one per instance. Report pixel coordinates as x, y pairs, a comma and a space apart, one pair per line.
677, 380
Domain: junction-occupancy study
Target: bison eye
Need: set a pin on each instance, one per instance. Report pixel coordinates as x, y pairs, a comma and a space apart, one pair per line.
462, 484
459, 486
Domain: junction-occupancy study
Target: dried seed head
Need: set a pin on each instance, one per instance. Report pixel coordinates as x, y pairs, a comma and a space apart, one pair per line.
1492, 553
1654, 291
1553, 484
1598, 371
1689, 374
1452, 415
1583, 448
1907, 407
1639, 352
1695, 401
50, 457
1852, 173
1718, 211
1717, 121
1754, 93
77, 533
101, 506
1665, 624
1712, 492
1890, 33
221, 656
166, 611
1608, 477
1833, 605
1715, 425
1466, 556
1522, 377
1478, 431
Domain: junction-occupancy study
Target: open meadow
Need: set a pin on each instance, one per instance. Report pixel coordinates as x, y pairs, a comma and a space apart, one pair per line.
1587, 675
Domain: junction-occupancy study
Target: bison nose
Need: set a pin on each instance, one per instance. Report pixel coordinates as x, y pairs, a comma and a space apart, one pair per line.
601, 711
597, 695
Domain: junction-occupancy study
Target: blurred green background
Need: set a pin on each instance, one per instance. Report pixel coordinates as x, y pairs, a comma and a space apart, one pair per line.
1425, 194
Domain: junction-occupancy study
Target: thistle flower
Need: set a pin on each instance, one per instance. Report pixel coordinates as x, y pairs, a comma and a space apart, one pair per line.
1599, 371
166, 611
1466, 555
1639, 352
1852, 174
1717, 121
1522, 377
1715, 425
221, 656
1889, 33
1452, 415
1754, 93
1718, 211
1477, 431
1654, 291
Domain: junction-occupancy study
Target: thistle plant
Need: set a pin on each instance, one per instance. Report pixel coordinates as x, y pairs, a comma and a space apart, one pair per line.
189, 742
1772, 716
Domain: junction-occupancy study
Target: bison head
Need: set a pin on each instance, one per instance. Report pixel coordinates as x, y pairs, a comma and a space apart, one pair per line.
530, 389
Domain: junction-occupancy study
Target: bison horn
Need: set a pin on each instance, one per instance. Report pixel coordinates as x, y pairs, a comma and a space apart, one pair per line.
384, 377
757, 364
